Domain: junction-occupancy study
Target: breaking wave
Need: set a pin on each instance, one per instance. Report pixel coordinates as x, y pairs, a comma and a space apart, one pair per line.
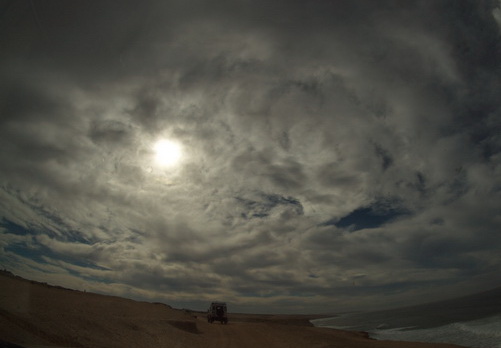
481, 333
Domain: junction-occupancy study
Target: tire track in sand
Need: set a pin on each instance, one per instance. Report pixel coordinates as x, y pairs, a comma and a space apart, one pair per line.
230, 335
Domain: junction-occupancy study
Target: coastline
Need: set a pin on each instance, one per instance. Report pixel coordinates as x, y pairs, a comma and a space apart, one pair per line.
36, 314
472, 321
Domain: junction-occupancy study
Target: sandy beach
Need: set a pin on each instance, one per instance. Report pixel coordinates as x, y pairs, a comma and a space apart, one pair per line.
34, 314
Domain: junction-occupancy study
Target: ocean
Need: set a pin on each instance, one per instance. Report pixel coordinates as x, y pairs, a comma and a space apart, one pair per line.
472, 321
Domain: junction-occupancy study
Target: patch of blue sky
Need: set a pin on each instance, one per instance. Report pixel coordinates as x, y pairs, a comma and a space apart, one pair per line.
366, 217
33, 253
13, 228
40, 253
65, 235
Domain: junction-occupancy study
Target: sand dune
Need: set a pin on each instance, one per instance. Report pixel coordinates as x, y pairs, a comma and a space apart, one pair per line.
39, 315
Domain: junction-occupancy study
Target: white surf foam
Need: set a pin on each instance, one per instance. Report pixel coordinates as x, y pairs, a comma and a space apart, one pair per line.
482, 333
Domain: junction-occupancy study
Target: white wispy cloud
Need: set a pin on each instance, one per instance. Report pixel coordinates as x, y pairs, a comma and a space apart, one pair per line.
292, 117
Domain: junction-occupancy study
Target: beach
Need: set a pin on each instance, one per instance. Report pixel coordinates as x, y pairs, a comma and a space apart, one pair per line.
34, 314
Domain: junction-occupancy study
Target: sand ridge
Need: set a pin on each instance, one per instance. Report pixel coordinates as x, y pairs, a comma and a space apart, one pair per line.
34, 314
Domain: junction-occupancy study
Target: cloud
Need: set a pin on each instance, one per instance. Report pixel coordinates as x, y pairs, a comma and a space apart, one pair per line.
333, 151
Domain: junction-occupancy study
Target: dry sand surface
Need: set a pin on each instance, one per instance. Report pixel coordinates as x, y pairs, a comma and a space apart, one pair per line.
38, 315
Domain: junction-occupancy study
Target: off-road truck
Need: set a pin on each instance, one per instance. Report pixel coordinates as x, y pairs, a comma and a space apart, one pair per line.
217, 311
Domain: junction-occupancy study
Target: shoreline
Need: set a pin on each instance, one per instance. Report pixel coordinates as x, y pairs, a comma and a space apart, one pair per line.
37, 314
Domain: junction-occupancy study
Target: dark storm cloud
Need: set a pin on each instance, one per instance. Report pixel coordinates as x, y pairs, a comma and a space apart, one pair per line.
333, 150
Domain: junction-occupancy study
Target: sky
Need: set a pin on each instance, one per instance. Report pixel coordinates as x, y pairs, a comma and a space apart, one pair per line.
318, 156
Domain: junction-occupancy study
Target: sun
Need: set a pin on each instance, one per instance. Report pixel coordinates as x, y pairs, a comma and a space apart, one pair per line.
167, 152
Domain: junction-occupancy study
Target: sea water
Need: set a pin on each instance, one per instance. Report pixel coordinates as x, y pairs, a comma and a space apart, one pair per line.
480, 333
473, 321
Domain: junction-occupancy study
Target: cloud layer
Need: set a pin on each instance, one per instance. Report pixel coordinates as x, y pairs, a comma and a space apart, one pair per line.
337, 154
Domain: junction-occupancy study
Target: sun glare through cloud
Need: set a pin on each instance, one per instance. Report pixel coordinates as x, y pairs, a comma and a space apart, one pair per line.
168, 153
